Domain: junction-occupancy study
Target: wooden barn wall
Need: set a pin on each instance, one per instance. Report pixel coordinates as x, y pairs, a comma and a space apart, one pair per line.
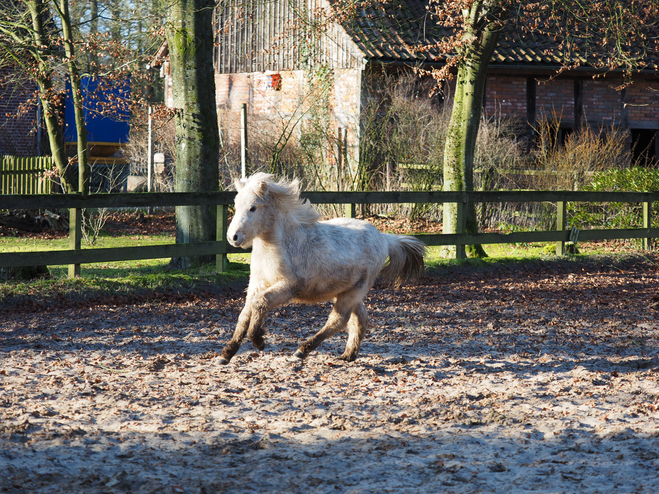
260, 35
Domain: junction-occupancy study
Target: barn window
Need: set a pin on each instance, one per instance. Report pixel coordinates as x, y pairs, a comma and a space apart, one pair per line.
644, 146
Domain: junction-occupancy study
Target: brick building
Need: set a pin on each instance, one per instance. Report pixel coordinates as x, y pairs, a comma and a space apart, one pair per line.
20, 133
266, 59
578, 99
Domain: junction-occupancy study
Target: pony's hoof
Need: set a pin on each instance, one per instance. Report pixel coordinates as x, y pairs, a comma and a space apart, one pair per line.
223, 361
348, 358
301, 355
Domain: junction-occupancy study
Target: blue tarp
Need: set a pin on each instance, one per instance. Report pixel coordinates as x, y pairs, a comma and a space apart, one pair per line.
105, 108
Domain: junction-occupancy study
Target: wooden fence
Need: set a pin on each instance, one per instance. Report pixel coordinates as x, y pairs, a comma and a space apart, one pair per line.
75, 255
25, 175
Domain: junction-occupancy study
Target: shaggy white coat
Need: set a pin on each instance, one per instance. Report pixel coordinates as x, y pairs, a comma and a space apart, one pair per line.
297, 257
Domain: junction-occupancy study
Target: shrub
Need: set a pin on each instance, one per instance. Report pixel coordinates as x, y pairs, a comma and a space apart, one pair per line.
634, 179
164, 141
616, 215
557, 161
568, 162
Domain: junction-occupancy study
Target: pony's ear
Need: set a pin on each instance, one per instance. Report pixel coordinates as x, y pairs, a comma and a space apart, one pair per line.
262, 188
239, 184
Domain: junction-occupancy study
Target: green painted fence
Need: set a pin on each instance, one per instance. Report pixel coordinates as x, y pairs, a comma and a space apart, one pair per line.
25, 175
76, 255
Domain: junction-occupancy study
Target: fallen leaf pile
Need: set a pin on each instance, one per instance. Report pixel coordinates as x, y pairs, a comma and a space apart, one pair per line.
512, 379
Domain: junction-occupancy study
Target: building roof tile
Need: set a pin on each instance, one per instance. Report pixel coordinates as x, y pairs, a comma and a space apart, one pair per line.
406, 31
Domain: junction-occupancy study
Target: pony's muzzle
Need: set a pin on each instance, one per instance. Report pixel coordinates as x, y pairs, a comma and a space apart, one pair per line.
236, 239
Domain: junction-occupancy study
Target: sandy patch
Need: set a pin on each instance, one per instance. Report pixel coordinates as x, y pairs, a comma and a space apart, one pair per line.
514, 380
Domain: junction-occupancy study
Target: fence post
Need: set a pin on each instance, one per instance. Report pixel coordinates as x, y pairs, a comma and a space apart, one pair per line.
647, 224
75, 238
351, 210
22, 176
3, 175
560, 226
460, 252
221, 260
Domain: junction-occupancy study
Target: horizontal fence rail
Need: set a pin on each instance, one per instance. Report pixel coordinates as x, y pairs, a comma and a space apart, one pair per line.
76, 255
169, 199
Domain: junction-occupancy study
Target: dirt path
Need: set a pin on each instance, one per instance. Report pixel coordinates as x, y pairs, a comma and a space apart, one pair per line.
530, 379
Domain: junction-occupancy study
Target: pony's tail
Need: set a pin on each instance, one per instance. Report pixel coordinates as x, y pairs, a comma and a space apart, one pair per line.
405, 259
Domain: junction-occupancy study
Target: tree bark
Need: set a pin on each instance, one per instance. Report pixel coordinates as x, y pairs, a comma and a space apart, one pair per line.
76, 93
47, 96
465, 118
189, 29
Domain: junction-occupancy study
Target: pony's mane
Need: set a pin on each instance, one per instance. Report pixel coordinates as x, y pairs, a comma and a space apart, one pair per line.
287, 195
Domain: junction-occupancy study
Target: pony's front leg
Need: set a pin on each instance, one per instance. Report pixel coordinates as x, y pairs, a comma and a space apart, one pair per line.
276, 295
250, 322
238, 335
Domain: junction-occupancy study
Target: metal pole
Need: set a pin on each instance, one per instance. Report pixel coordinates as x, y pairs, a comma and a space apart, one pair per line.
243, 140
149, 158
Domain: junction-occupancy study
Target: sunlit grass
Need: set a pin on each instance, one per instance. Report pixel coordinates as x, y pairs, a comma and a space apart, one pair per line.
20, 244
521, 253
155, 276
112, 279
146, 267
24, 244
116, 269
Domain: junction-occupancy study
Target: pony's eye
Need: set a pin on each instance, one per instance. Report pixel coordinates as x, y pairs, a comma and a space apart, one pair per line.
252, 209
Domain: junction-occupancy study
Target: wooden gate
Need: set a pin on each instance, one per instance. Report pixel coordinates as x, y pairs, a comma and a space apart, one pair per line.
25, 175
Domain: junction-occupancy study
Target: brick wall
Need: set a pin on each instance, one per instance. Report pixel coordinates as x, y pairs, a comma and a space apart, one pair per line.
18, 118
506, 96
601, 101
272, 110
347, 105
643, 102
555, 99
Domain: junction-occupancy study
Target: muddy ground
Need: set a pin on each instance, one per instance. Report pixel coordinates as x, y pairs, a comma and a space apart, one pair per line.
538, 378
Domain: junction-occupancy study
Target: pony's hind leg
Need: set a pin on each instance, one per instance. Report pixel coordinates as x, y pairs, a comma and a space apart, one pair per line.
357, 327
338, 319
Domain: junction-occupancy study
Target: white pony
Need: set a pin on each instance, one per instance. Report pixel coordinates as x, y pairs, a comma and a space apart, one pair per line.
296, 257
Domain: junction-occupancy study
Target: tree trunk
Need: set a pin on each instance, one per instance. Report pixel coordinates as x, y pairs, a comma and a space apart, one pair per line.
76, 93
115, 7
465, 119
190, 37
93, 65
47, 96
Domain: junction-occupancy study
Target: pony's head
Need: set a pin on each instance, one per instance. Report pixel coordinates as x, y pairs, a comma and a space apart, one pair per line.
261, 203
